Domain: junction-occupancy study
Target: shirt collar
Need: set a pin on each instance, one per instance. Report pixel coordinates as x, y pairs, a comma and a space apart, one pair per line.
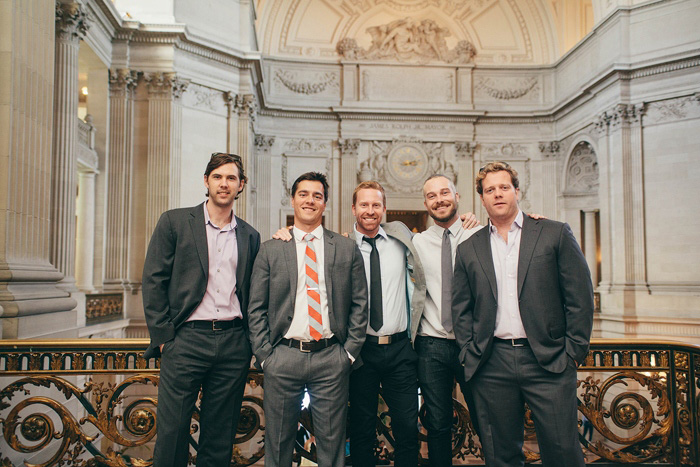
299, 234
359, 236
454, 228
517, 223
207, 220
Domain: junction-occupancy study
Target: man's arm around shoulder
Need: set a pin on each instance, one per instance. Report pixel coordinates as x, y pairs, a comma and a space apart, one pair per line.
358, 314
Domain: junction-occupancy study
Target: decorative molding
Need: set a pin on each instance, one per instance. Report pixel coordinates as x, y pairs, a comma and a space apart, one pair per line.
465, 149
506, 89
601, 124
205, 97
550, 150
626, 114
320, 82
408, 40
121, 81
72, 21
582, 174
244, 105
507, 151
165, 84
671, 110
303, 145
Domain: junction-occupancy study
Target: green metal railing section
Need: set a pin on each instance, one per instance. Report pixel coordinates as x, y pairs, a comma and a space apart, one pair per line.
93, 403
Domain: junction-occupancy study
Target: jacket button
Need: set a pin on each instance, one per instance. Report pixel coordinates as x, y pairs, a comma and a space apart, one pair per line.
289, 318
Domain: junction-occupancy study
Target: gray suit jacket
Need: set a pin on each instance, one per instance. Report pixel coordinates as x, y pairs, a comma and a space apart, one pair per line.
416, 285
554, 290
273, 294
176, 270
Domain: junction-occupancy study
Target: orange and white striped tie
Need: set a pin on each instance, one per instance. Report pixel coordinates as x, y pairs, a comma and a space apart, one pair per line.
312, 290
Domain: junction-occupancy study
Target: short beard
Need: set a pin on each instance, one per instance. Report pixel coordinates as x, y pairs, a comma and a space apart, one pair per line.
447, 217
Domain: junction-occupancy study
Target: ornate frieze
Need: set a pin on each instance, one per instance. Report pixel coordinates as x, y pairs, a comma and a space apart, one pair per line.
303, 145
203, 97
302, 83
72, 21
165, 83
408, 40
671, 110
507, 88
465, 149
582, 173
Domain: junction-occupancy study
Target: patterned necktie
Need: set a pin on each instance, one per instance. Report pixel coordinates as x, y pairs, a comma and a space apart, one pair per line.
376, 313
312, 290
447, 273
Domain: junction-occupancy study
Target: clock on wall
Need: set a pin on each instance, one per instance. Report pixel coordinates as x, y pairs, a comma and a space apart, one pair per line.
408, 164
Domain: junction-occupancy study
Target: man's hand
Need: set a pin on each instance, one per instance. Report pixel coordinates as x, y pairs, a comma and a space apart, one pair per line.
537, 216
161, 347
469, 221
284, 234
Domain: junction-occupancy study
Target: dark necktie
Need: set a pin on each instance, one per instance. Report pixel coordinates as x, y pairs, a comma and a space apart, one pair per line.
447, 273
376, 313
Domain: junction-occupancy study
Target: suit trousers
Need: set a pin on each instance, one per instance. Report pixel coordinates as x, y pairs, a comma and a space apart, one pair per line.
510, 378
438, 368
394, 366
218, 363
324, 374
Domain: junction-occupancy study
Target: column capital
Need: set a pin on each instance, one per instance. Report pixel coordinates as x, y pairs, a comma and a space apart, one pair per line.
264, 143
349, 147
121, 81
165, 84
72, 21
465, 149
244, 105
550, 149
627, 114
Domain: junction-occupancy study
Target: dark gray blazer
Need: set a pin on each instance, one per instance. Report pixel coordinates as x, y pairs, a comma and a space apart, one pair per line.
176, 271
554, 289
273, 294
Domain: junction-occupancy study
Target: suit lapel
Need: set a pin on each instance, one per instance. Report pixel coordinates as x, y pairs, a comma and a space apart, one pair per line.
199, 232
482, 247
242, 245
328, 261
290, 256
528, 240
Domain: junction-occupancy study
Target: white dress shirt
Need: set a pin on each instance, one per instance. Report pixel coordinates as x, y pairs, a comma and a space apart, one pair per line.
299, 329
392, 262
509, 325
429, 246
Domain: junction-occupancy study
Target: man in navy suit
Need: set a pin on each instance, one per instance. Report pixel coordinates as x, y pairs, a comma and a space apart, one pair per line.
196, 281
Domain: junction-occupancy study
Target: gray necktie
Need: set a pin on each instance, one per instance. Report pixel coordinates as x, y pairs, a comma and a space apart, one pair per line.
447, 273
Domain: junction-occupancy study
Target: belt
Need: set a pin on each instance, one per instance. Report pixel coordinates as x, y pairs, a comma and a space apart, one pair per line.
383, 340
310, 346
522, 342
214, 325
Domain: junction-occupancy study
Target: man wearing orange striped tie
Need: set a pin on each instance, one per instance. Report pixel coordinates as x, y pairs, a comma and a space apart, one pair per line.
307, 319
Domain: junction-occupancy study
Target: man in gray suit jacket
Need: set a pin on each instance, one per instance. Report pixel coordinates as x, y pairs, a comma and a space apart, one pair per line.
522, 308
196, 279
308, 319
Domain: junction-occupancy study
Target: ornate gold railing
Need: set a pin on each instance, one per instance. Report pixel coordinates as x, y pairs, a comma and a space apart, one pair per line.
93, 402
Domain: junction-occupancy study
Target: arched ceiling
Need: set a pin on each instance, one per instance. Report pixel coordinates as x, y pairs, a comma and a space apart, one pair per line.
503, 32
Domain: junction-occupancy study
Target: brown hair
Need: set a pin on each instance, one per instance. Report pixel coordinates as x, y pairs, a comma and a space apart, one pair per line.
368, 185
221, 158
312, 177
496, 167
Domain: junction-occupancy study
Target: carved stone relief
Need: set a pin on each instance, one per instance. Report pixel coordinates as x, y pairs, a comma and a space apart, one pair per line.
582, 172
550, 150
165, 83
303, 145
202, 97
408, 40
507, 88
403, 164
672, 110
306, 83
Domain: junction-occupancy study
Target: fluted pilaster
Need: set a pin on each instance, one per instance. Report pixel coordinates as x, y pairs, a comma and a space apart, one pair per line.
85, 230
241, 115
263, 179
164, 145
71, 24
550, 177
349, 149
464, 154
120, 165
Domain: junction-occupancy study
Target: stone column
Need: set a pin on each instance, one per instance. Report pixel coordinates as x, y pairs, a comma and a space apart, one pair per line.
590, 244
119, 177
85, 230
464, 153
550, 178
164, 145
601, 127
238, 141
71, 24
31, 305
348, 163
263, 181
